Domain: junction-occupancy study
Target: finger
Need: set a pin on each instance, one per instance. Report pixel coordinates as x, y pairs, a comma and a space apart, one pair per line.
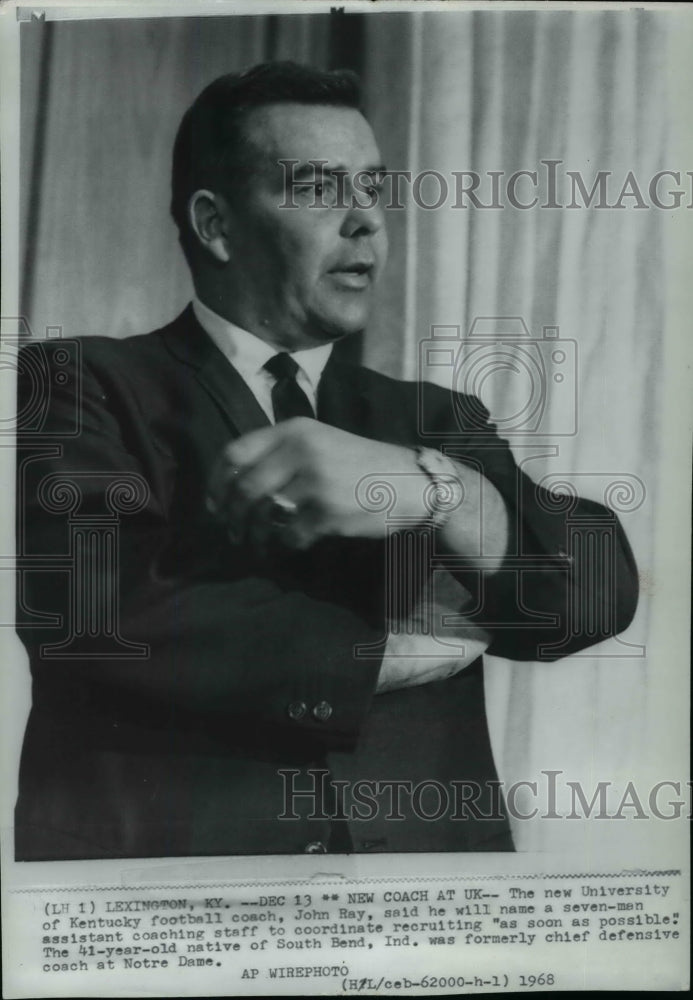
272, 474
243, 454
228, 466
259, 529
250, 448
303, 529
245, 470
269, 526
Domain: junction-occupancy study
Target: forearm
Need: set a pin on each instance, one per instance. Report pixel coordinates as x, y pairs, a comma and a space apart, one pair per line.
558, 590
547, 582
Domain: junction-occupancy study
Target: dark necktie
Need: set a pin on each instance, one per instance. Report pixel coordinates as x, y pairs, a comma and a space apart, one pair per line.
288, 398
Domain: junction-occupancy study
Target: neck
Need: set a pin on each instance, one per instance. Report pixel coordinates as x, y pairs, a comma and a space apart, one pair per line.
244, 319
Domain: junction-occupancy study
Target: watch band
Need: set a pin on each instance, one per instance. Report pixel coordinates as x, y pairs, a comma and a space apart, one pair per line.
445, 492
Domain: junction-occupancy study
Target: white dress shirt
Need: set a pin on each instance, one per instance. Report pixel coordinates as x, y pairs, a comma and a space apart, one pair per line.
427, 635
249, 354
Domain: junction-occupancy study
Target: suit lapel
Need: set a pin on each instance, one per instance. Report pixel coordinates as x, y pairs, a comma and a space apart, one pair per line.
347, 397
361, 402
341, 401
189, 343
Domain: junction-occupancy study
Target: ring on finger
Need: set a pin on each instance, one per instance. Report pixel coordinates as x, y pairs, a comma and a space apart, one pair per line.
283, 510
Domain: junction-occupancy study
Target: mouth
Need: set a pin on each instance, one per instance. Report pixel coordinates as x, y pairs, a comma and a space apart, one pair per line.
357, 274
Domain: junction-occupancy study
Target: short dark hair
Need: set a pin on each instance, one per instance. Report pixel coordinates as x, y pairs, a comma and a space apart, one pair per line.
210, 144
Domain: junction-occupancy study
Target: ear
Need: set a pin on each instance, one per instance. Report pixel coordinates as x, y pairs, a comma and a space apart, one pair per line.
208, 215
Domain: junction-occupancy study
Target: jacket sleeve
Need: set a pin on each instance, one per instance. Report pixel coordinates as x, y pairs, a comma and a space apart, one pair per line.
128, 612
568, 580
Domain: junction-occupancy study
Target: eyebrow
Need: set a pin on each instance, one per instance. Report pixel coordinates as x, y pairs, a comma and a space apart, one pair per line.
312, 170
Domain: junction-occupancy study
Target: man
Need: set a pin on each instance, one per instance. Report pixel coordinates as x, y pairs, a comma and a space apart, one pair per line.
270, 682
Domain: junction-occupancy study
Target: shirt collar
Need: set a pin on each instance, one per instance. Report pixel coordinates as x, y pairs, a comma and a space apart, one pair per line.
248, 353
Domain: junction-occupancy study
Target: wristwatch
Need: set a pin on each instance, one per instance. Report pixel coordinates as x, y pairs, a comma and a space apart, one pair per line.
445, 492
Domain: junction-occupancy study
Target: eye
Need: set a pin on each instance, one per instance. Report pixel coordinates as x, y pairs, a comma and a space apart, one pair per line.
322, 193
317, 188
318, 194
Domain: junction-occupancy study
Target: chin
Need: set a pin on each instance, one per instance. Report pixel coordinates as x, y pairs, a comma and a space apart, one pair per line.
351, 321
341, 332
343, 314
328, 329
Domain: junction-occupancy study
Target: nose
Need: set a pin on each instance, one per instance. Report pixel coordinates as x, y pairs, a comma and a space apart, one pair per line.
364, 216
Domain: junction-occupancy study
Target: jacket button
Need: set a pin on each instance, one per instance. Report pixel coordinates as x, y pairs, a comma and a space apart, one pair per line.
315, 847
296, 710
322, 711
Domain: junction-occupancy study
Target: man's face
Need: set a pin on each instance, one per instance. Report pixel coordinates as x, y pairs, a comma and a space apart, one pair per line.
304, 275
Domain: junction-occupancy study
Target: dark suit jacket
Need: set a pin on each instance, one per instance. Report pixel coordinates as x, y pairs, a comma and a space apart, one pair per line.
175, 677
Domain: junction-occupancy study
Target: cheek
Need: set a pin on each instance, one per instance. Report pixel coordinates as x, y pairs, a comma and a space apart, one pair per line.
297, 248
308, 242
305, 268
294, 258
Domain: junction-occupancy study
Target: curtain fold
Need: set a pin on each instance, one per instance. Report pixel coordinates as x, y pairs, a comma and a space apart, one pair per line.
496, 94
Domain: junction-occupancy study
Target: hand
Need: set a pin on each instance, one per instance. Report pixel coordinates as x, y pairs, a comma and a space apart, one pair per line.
317, 468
